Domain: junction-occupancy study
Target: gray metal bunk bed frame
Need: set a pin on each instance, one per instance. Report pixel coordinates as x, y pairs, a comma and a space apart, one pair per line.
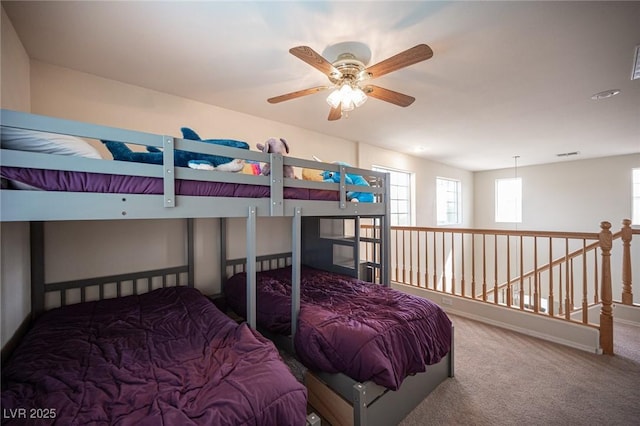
20, 205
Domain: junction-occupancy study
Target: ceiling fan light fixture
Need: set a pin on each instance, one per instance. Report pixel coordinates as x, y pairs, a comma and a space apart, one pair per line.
349, 97
334, 98
358, 97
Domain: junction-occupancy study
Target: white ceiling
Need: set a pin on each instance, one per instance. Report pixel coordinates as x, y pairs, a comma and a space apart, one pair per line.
506, 78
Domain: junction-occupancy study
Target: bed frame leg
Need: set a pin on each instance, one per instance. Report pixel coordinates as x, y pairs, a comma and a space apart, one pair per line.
313, 420
359, 405
451, 354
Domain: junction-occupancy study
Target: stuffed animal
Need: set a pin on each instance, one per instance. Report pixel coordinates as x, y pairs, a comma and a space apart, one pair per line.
252, 168
121, 151
312, 174
350, 179
278, 146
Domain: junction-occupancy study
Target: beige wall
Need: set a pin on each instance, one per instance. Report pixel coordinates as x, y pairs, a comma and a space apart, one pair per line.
15, 274
64, 93
565, 196
424, 173
14, 70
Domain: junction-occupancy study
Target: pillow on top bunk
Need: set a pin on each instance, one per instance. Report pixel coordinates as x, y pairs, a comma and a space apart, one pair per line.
50, 143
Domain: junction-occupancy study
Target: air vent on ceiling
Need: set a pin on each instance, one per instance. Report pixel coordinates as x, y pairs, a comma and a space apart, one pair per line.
635, 73
567, 154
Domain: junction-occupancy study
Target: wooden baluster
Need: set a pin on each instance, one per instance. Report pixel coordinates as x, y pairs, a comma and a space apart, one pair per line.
567, 270
536, 281
473, 266
463, 290
585, 304
606, 312
551, 302
627, 233
573, 290
411, 257
521, 276
444, 260
560, 304
396, 268
509, 300
453, 265
435, 275
495, 268
418, 257
484, 268
596, 297
426, 259
404, 257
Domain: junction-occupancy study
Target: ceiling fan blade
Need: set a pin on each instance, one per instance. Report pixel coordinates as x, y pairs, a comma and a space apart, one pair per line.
335, 113
389, 96
411, 56
297, 94
311, 57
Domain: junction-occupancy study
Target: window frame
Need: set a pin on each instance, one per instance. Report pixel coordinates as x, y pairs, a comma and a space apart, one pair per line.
457, 202
394, 202
500, 216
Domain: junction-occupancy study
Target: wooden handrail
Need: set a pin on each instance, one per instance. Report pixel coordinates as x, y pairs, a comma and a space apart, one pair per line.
577, 253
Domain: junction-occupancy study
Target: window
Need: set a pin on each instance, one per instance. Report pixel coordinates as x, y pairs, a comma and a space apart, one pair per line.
448, 201
635, 215
400, 196
509, 200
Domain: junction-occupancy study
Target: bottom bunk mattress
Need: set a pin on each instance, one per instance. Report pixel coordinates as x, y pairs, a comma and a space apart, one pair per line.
364, 330
165, 357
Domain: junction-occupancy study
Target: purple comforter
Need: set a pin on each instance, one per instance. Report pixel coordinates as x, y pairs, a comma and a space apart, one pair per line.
168, 357
366, 331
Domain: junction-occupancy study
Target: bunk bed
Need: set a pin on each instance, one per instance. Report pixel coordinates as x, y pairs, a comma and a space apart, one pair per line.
167, 194
372, 353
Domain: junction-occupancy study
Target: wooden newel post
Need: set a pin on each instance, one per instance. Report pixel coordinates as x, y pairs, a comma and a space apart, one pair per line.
627, 232
606, 312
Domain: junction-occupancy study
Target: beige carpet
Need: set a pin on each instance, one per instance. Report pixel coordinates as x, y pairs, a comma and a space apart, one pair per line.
506, 378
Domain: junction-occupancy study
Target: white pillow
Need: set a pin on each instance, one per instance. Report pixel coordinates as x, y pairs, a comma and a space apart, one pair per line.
50, 143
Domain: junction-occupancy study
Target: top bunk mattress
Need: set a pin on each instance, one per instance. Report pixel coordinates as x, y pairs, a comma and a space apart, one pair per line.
165, 357
366, 331
71, 181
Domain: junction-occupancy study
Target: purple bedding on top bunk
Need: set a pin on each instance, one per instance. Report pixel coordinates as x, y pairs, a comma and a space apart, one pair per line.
57, 180
166, 357
364, 330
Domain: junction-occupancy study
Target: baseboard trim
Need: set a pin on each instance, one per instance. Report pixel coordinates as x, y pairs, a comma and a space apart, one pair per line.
566, 333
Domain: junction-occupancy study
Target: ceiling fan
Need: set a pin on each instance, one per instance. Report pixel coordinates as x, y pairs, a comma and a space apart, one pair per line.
349, 77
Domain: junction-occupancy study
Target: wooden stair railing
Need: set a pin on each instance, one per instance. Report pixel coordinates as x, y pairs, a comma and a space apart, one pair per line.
457, 262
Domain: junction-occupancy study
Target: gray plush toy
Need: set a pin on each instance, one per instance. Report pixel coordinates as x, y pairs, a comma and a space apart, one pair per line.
276, 146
